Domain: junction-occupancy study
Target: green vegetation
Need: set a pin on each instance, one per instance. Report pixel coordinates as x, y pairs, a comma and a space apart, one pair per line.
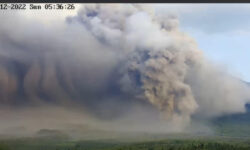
186, 145
170, 144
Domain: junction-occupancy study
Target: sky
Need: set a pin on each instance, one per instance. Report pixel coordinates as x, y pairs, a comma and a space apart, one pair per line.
222, 31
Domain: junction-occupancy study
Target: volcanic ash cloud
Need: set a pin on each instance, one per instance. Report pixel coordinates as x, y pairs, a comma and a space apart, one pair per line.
163, 65
111, 56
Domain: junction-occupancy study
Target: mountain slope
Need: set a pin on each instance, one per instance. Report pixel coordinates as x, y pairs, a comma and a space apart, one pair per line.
235, 124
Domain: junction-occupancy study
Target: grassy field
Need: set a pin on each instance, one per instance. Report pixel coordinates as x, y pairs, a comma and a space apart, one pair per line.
217, 143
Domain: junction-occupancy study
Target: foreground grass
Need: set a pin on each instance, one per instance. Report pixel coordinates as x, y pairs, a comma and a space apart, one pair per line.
170, 144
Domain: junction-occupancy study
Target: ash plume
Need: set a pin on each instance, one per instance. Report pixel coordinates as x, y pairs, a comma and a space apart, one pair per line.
109, 59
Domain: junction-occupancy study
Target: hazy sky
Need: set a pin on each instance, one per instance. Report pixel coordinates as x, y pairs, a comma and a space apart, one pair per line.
222, 31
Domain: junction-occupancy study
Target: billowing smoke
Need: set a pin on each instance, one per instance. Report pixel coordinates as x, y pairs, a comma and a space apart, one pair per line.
111, 59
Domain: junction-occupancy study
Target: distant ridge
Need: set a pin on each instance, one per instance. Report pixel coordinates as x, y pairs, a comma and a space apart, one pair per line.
237, 125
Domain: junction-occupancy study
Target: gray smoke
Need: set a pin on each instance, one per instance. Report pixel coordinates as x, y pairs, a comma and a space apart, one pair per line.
110, 58
163, 65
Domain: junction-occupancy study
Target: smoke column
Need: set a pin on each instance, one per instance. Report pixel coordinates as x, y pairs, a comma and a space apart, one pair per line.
109, 58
